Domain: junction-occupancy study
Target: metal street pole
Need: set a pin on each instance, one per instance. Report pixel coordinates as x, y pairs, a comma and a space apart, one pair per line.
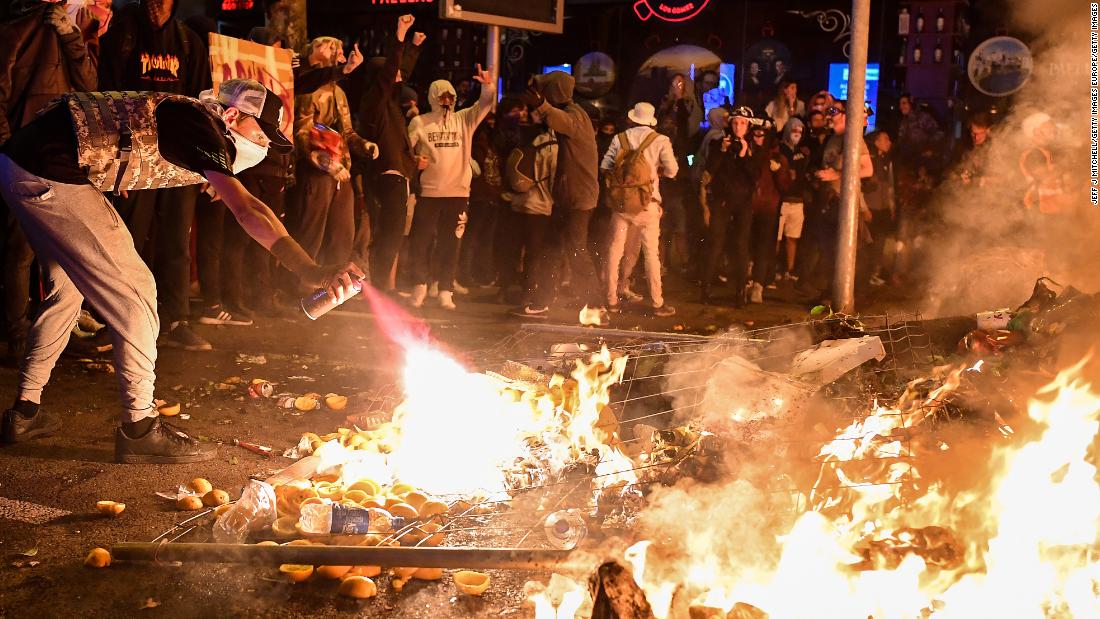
492, 55
844, 282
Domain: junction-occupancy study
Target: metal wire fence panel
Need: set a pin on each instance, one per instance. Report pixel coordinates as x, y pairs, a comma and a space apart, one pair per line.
665, 383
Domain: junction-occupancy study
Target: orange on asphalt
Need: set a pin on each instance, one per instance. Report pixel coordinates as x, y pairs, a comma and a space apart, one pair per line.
296, 573
98, 557
358, 587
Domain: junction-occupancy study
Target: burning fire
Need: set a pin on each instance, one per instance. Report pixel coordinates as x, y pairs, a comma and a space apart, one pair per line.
878, 540
458, 432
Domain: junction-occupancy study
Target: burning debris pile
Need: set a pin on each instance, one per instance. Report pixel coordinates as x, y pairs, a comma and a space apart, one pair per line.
795, 473
973, 493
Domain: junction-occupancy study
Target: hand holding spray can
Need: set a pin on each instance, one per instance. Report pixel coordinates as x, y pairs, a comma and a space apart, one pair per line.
322, 302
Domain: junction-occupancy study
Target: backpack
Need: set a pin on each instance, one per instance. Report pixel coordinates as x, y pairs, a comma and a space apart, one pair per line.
630, 182
519, 170
116, 140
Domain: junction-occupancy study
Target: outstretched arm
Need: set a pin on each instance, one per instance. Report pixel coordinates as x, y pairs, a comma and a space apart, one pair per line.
262, 225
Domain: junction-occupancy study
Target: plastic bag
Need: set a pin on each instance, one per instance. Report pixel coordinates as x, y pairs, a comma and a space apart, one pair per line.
254, 511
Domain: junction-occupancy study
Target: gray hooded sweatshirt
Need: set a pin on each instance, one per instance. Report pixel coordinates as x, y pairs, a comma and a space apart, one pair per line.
446, 137
577, 187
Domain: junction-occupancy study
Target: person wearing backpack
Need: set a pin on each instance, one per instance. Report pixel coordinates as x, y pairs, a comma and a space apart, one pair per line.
633, 165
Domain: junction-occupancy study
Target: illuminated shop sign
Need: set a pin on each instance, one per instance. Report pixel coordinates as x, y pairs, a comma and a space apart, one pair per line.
669, 10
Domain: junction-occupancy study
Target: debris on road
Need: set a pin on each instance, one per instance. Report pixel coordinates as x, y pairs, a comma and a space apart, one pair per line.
110, 508
97, 558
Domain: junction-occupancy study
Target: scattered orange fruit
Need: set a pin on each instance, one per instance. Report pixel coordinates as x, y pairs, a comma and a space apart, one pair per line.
358, 587
471, 583
110, 508
417, 499
284, 528
169, 410
428, 573
268, 542
189, 503
336, 402
306, 403
399, 489
296, 573
215, 498
366, 485
403, 510
332, 572
221, 509
201, 486
369, 571
357, 496
432, 508
98, 557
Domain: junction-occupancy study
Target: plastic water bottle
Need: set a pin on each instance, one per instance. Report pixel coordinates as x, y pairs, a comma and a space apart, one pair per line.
321, 302
322, 518
565, 529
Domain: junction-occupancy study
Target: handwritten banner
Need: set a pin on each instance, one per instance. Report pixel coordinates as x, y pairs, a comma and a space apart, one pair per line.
232, 58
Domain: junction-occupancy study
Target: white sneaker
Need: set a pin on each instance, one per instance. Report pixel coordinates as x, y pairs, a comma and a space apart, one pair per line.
87, 323
446, 300
433, 292
460, 289
757, 294
420, 292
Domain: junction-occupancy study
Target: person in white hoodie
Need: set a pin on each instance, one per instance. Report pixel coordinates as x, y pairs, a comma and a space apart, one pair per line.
445, 138
662, 161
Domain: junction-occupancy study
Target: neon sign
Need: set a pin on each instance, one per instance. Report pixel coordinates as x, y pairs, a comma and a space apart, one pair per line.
669, 10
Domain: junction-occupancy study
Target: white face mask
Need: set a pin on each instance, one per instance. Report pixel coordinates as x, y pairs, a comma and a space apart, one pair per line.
249, 153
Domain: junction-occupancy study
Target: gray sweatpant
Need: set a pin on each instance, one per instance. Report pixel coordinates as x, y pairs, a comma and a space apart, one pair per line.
85, 251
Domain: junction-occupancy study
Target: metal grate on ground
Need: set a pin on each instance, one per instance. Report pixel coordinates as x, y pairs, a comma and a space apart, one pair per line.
515, 519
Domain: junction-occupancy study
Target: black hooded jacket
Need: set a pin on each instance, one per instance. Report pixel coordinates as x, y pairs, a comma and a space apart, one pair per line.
136, 56
380, 117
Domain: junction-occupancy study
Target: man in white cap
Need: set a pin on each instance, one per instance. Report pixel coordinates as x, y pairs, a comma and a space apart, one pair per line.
637, 157
52, 174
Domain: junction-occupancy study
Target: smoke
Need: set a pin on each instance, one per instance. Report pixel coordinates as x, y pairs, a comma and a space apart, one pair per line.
988, 251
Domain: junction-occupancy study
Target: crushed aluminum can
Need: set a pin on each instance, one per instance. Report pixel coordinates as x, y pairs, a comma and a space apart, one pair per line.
994, 320
261, 389
286, 401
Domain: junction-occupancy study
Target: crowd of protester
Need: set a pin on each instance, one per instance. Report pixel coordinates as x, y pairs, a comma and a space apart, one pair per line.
442, 189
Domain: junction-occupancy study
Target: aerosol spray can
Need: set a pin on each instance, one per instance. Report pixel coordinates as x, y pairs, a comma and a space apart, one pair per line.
322, 302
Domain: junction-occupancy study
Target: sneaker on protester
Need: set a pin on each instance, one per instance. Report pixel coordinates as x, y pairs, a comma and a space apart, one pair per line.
446, 300
757, 294
629, 296
433, 292
530, 311
163, 444
220, 315
772, 286
664, 310
877, 281
459, 288
180, 335
87, 323
419, 293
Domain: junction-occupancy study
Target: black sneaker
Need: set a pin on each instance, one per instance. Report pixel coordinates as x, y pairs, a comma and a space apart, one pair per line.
220, 315
529, 311
18, 428
180, 335
162, 444
664, 310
